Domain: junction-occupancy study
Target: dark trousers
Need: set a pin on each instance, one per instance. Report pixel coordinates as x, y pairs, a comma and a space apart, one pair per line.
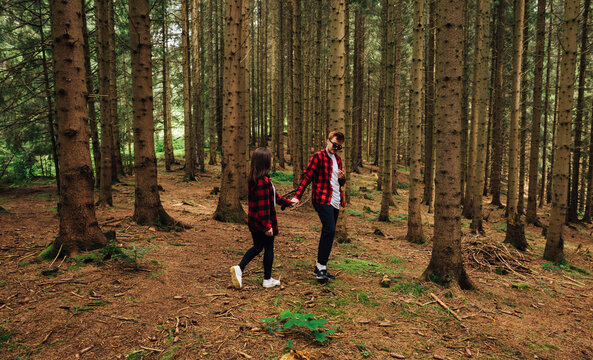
260, 242
329, 217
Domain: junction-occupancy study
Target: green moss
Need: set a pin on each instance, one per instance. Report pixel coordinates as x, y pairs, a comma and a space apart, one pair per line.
280, 177
414, 288
49, 253
358, 266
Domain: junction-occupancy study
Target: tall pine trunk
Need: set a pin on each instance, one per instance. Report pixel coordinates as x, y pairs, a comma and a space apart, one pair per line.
573, 206
446, 262
197, 119
523, 125
480, 112
147, 207
167, 135
415, 234
212, 80
190, 160
537, 113
78, 230
90, 98
554, 250
229, 207
499, 94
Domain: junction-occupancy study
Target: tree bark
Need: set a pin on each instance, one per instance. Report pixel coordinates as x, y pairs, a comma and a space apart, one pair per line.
537, 113
573, 205
212, 79
90, 98
104, 60
167, 135
515, 231
358, 88
78, 229
147, 207
523, 126
499, 93
554, 250
116, 162
446, 262
229, 207
190, 150
542, 192
427, 198
415, 234
197, 119
480, 101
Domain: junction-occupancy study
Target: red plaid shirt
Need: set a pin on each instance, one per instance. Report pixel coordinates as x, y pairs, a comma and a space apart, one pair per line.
262, 213
319, 171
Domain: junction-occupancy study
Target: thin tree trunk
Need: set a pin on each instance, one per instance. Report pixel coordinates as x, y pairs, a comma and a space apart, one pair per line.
515, 230
542, 192
415, 234
573, 205
446, 262
104, 60
116, 162
147, 207
554, 250
397, 90
465, 99
499, 93
190, 163
537, 113
427, 197
79, 229
523, 126
90, 99
212, 79
480, 101
358, 86
167, 135
554, 125
388, 57
197, 119
589, 199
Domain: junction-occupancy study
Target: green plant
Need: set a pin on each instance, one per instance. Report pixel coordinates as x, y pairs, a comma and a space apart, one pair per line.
363, 349
403, 186
281, 177
414, 288
287, 319
563, 265
354, 212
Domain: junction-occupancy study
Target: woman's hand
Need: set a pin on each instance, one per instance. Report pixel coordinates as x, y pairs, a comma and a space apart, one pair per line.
270, 232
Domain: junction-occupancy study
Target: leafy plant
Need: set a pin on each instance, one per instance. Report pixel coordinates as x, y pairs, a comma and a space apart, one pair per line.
287, 319
563, 265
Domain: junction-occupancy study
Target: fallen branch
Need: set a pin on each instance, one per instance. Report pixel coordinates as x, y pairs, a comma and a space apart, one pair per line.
151, 349
445, 306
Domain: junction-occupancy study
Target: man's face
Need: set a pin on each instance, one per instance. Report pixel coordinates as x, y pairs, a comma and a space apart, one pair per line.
333, 145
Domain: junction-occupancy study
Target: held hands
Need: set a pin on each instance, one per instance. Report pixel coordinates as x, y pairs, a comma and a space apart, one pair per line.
294, 201
341, 174
269, 232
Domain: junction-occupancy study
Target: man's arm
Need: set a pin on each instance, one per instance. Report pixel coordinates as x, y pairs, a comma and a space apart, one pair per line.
308, 175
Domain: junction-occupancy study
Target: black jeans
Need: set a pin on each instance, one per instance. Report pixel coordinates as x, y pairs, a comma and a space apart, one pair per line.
329, 217
260, 242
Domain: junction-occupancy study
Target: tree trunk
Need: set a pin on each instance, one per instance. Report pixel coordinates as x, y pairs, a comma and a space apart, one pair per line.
198, 120
542, 192
190, 162
480, 102
147, 206
554, 250
388, 57
104, 60
537, 113
415, 234
229, 207
90, 98
427, 198
358, 87
523, 126
465, 98
589, 198
297, 92
446, 262
116, 162
515, 231
244, 110
396, 96
212, 78
78, 230
499, 94
348, 101
167, 135
573, 205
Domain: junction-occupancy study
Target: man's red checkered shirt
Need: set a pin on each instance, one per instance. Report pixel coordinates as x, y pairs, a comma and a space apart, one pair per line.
262, 213
319, 171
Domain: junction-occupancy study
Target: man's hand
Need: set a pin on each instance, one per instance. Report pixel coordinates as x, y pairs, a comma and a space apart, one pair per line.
270, 232
294, 201
341, 174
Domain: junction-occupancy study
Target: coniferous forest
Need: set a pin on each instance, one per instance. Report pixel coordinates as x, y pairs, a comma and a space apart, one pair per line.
454, 136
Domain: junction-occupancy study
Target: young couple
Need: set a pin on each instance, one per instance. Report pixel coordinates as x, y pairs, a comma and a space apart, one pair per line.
325, 172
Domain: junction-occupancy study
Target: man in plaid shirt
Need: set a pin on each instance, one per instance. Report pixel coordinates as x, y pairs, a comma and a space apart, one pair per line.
325, 172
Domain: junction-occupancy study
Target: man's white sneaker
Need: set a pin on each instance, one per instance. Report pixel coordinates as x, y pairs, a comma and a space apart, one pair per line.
236, 276
270, 283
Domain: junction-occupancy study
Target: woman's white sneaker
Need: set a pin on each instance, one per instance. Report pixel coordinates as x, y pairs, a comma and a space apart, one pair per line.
270, 283
236, 276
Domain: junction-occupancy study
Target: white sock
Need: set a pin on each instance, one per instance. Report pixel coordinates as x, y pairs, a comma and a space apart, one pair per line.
321, 267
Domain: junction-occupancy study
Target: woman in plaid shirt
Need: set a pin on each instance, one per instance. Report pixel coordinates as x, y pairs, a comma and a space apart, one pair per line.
262, 218
326, 174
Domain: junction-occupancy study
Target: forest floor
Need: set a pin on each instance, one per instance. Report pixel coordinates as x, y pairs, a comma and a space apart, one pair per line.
176, 300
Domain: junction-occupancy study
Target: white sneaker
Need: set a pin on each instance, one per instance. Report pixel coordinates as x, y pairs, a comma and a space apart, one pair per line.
236, 276
270, 283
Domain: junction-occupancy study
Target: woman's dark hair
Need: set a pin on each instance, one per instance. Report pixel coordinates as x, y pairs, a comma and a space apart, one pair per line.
261, 160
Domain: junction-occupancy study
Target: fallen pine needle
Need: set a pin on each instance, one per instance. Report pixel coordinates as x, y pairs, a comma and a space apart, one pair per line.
151, 349
46, 337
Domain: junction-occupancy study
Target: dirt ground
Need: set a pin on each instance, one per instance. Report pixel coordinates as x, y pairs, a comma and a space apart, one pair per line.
176, 300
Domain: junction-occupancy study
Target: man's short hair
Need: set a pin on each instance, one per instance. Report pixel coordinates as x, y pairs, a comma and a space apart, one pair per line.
337, 134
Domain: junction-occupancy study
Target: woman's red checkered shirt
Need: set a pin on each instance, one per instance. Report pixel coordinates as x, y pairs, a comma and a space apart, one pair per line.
262, 213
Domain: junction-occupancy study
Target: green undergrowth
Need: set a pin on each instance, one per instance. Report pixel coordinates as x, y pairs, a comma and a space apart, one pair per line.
563, 265
288, 319
131, 254
360, 266
281, 177
414, 288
